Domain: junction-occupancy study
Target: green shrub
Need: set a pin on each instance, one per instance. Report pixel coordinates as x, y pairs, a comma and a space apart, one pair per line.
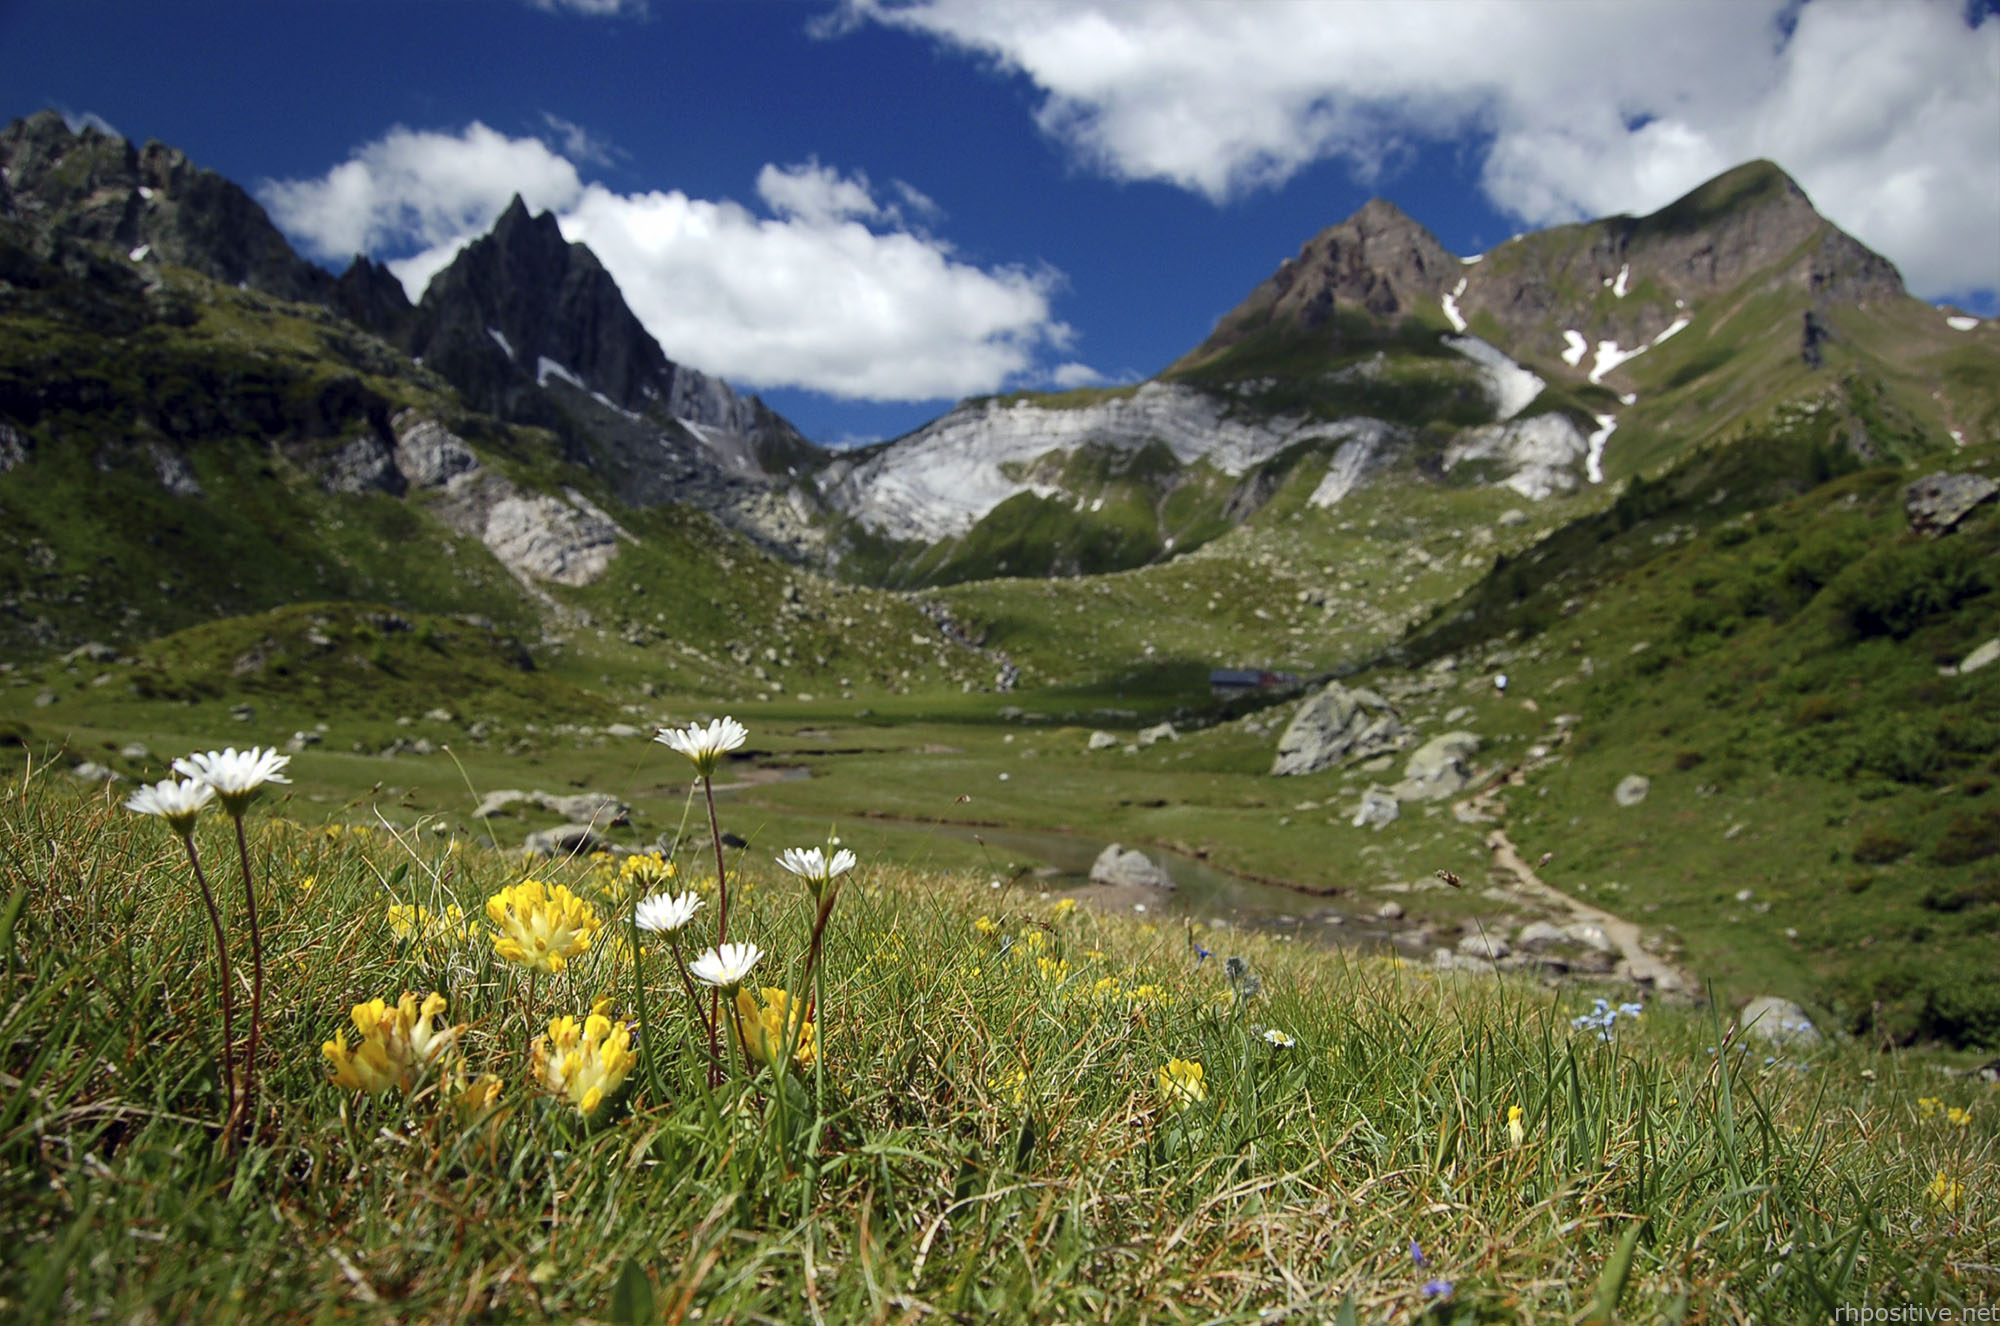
1878, 847
1969, 838
1895, 590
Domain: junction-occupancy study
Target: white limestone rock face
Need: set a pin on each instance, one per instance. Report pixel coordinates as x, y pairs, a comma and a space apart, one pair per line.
545, 538
939, 481
1117, 865
1512, 387
1543, 453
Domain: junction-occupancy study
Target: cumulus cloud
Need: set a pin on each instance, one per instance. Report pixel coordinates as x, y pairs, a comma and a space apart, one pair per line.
826, 288
1886, 111
594, 8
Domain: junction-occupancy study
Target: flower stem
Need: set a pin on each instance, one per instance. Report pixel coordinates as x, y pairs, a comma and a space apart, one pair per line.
228, 996
256, 979
721, 925
639, 1007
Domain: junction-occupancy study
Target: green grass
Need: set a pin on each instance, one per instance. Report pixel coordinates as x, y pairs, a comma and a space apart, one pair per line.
989, 1137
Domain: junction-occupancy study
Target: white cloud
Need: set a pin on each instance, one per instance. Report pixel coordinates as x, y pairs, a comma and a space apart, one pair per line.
1886, 111
828, 290
1066, 376
594, 8
578, 143
78, 121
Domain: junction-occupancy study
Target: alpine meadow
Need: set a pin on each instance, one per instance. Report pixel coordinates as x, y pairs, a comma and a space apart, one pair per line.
1469, 795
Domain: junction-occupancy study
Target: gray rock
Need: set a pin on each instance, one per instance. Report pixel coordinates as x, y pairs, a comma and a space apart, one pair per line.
1337, 724
1439, 768
1980, 657
1540, 935
300, 740
498, 803
13, 447
1377, 808
366, 464
92, 772
136, 750
571, 543
1116, 865
427, 453
620, 730
243, 713
1632, 789
94, 651
1101, 740
1480, 944
1937, 502
565, 840
599, 808
1390, 911
1160, 732
440, 716
1778, 1022
1511, 517
45, 698
1590, 935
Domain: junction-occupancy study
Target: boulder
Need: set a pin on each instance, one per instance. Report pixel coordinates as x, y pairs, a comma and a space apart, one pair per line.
1439, 768
599, 808
1778, 1022
1540, 935
1116, 865
1390, 911
91, 772
566, 840
1150, 736
1590, 935
1376, 809
1340, 723
1632, 789
1937, 502
1481, 944
498, 803
1101, 740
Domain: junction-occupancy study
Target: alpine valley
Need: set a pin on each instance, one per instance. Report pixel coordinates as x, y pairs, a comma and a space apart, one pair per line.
1659, 549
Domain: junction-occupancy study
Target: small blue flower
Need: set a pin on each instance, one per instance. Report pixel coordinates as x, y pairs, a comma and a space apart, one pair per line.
1417, 1254
1201, 954
1437, 1288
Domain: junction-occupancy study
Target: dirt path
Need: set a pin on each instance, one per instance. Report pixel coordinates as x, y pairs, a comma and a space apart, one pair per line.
1644, 967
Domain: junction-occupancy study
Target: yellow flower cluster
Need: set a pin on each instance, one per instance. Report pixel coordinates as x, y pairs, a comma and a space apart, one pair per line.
765, 1027
540, 927
1517, 1133
1945, 1192
1931, 1107
397, 1044
585, 1063
1063, 908
1013, 1085
646, 871
411, 924
1181, 1085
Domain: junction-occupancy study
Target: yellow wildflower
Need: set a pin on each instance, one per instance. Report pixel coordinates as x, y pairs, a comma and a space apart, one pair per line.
986, 925
1034, 941
1148, 994
646, 871
1094, 954
397, 1043
1958, 1117
410, 923
1053, 970
1517, 1132
1107, 987
540, 927
1013, 1085
1928, 1106
765, 1026
1180, 1083
1945, 1192
1064, 908
585, 1064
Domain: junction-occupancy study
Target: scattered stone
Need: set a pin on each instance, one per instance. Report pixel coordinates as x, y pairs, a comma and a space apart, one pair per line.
1118, 866
1101, 740
92, 652
1340, 723
243, 713
1438, 768
1160, 732
1390, 911
565, 840
1482, 945
1937, 502
1540, 935
1511, 517
1590, 935
135, 750
1778, 1021
1377, 808
621, 730
1632, 789
440, 716
300, 740
92, 772
45, 698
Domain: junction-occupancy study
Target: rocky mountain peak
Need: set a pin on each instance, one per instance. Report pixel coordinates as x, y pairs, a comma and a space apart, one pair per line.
1379, 262
89, 185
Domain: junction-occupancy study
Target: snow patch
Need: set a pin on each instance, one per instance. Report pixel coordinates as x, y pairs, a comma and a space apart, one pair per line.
1578, 347
145, 193
613, 406
1512, 387
1958, 437
1593, 462
1345, 471
1098, 505
501, 340
1619, 288
1609, 356
139, 254
1451, 312
1961, 324
1674, 329
546, 368
1473, 259
1629, 398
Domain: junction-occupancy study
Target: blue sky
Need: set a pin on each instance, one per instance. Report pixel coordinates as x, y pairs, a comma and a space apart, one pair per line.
866, 211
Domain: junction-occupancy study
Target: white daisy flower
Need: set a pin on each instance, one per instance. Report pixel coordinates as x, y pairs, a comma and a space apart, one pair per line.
236, 776
811, 865
728, 966
1280, 1039
662, 915
705, 745
178, 803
